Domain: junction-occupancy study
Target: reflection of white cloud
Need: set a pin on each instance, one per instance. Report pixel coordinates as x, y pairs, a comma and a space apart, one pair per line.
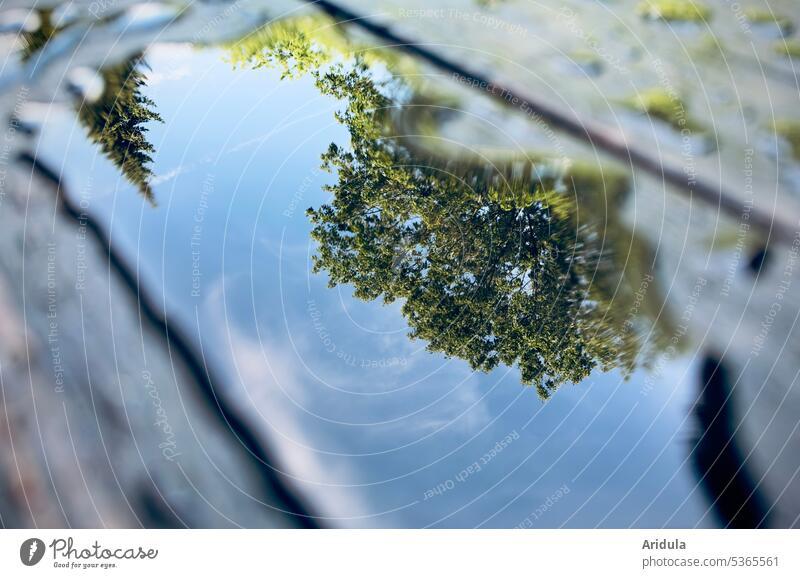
265, 374
169, 51
460, 412
168, 62
155, 78
180, 170
305, 419
171, 174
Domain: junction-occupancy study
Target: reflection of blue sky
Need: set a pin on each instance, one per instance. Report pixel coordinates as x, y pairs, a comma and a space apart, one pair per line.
368, 420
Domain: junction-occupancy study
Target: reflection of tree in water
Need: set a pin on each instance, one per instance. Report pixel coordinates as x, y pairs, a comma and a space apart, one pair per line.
115, 121
493, 269
34, 40
490, 261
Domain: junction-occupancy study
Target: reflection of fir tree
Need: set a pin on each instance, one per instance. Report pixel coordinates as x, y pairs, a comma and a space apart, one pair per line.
486, 260
34, 40
115, 122
489, 259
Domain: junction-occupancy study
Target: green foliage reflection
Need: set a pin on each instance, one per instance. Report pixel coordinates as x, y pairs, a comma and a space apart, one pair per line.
490, 261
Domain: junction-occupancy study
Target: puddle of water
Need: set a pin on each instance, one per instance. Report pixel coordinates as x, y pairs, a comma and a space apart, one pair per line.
376, 429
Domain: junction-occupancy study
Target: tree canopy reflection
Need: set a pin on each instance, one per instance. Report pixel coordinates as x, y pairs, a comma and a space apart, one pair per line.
116, 121
486, 259
489, 260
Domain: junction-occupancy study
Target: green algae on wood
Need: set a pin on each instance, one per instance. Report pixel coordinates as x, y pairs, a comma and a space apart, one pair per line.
674, 10
789, 130
665, 106
790, 48
587, 61
760, 16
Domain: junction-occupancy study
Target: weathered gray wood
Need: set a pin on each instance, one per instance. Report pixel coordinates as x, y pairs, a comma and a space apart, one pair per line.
104, 422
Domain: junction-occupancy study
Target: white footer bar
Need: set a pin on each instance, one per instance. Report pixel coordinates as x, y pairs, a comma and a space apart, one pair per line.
401, 553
